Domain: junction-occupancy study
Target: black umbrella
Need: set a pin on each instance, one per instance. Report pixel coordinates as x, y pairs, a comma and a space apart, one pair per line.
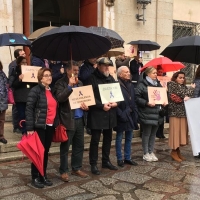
145, 45
70, 42
115, 38
14, 39
185, 49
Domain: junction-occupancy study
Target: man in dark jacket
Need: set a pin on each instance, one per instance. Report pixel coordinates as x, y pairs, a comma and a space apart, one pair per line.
126, 117
101, 117
122, 60
135, 66
73, 121
87, 69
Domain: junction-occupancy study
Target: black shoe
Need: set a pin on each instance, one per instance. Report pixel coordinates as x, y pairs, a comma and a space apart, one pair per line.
95, 170
46, 181
3, 140
37, 183
162, 136
109, 166
88, 131
130, 162
120, 163
16, 130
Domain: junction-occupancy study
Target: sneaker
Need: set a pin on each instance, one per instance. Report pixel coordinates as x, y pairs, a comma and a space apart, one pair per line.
154, 158
147, 157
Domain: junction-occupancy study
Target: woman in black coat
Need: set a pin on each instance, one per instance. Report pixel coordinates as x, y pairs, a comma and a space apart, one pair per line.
40, 117
3, 102
148, 112
20, 90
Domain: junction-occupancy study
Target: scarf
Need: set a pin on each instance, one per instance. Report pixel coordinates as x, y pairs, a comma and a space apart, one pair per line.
153, 82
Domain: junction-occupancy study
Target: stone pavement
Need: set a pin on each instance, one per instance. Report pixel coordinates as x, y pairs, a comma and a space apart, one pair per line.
165, 179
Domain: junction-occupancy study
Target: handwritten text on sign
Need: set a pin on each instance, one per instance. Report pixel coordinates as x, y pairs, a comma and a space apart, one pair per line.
81, 94
110, 93
30, 73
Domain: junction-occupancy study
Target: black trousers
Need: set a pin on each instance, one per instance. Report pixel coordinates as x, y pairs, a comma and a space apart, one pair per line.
94, 144
46, 136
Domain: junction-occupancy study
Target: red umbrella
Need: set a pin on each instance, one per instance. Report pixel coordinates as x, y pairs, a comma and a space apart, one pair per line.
166, 64
32, 147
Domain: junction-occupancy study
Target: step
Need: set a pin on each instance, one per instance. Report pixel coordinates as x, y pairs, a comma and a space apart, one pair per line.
11, 146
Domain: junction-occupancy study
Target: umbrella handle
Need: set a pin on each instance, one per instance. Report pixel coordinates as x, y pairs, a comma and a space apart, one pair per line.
20, 123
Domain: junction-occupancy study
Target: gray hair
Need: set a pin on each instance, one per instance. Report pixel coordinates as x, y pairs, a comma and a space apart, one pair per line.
119, 70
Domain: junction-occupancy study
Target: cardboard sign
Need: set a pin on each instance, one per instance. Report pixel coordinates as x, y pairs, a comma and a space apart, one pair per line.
112, 71
110, 93
157, 95
192, 112
130, 50
81, 94
30, 73
163, 80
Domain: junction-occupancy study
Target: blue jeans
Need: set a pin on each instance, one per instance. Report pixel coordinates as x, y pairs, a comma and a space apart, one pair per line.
127, 145
148, 138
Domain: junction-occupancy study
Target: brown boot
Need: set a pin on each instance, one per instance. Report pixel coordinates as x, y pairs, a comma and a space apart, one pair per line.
179, 154
174, 155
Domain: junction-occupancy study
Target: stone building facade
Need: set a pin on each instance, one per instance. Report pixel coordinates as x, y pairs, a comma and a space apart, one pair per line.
162, 18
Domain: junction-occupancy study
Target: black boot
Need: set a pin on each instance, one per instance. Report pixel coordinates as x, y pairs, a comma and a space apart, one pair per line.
37, 183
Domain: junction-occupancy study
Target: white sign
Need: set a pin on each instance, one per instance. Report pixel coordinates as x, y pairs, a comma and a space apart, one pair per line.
30, 73
146, 57
110, 93
193, 110
80, 95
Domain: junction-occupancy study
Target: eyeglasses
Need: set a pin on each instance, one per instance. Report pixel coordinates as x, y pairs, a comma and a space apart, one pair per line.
47, 75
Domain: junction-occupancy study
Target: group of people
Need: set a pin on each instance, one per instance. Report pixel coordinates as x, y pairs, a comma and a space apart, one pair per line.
43, 107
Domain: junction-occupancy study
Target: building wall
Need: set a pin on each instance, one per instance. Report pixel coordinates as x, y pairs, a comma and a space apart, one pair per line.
187, 10
158, 25
10, 21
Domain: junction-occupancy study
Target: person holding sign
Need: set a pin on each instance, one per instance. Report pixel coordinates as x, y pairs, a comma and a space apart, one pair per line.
178, 128
41, 117
73, 120
126, 117
101, 117
148, 112
21, 90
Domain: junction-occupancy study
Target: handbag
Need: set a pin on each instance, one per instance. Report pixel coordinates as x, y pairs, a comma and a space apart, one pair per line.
176, 98
60, 134
10, 96
162, 112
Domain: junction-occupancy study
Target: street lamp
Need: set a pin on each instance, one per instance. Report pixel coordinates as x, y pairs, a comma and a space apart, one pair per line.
144, 3
109, 2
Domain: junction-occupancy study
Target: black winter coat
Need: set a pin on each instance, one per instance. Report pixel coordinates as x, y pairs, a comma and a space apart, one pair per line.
134, 69
36, 109
97, 117
127, 110
20, 89
3, 92
147, 115
62, 93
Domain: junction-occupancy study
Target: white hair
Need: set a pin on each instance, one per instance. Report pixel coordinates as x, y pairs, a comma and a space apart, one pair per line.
119, 70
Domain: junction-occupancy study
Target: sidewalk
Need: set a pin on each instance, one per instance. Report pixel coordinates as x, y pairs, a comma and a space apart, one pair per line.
162, 180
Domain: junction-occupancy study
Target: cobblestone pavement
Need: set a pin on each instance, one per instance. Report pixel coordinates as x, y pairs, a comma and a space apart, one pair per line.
161, 180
